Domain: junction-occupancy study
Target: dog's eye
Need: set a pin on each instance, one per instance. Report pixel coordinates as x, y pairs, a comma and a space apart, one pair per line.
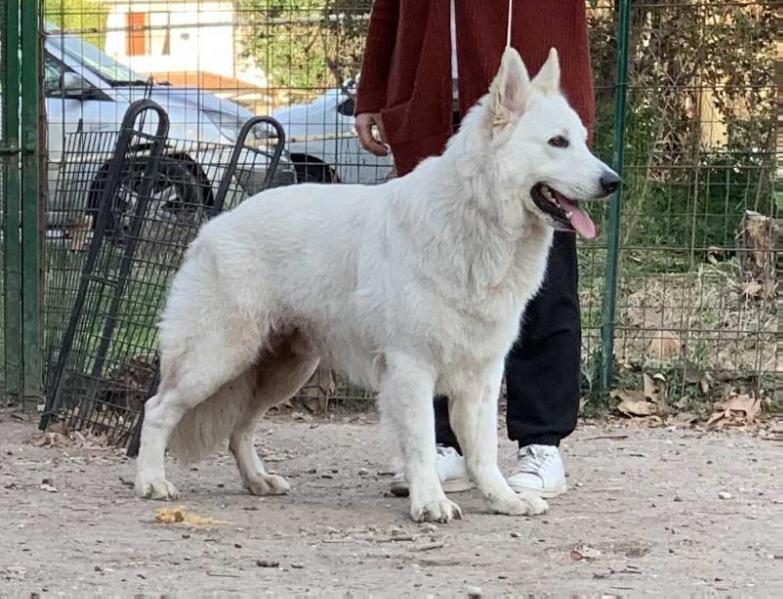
558, 142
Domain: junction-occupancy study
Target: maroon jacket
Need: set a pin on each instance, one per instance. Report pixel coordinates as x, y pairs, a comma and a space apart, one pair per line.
406, 71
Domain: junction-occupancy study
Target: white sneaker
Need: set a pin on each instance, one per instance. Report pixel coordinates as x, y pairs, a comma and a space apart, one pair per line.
451, 471
539, 470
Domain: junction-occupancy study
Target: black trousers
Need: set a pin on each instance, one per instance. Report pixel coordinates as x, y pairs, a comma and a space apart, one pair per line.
543, 366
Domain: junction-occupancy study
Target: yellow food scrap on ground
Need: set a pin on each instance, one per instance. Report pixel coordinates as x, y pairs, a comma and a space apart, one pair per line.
181, 514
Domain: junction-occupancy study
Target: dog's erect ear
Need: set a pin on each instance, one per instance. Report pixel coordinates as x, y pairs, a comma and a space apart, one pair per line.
548, 78
509, 90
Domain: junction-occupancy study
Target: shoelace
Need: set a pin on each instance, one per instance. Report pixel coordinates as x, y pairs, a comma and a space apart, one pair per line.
444, 451
536, 458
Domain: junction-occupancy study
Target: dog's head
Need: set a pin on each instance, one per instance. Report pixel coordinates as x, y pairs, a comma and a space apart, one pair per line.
540, 146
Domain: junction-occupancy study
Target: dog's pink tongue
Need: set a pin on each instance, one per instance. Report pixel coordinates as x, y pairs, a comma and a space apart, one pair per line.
580, 220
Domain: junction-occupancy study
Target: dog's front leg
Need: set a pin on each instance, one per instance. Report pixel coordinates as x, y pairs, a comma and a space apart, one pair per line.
405, 400
473, 416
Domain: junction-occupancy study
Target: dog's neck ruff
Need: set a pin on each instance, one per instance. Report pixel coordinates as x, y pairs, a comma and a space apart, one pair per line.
492, 238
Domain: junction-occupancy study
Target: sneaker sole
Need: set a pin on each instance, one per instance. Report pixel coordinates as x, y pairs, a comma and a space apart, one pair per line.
454, 485
544, 494
457, 485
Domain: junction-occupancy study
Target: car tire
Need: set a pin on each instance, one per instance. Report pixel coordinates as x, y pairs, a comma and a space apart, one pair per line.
313, 172
176, 176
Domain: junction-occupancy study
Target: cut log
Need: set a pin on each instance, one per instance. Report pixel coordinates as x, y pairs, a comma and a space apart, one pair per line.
757, 248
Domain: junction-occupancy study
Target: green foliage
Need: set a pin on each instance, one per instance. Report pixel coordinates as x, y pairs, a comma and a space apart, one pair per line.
87, 17
304, 44
699, 130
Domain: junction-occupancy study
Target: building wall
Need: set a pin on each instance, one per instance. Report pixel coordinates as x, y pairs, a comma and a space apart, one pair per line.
177, 37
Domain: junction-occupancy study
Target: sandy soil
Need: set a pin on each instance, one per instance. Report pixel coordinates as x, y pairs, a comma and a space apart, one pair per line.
650, 511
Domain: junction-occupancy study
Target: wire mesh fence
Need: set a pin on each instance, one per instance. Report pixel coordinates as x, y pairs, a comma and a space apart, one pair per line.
3, 45
131, 204
693, 302
699, 205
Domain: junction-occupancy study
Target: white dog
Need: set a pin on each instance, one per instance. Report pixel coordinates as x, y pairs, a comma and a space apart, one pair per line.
410, 288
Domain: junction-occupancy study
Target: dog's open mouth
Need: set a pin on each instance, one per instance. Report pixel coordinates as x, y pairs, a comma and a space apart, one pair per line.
564, 211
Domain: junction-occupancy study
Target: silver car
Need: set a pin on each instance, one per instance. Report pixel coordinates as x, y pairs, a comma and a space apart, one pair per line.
322, 141
87, 90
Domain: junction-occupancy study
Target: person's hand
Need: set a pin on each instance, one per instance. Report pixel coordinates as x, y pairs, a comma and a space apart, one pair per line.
364, 129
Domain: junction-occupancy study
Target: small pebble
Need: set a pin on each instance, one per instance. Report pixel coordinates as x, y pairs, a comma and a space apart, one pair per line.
297, 566
363, 472
267, 563
430, 528
724, 495
677, 498
515, 534
474, 592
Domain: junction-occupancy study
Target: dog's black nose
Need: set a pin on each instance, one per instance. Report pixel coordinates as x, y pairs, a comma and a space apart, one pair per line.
609, 182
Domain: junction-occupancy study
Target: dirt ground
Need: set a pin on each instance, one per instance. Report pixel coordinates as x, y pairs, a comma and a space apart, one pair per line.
660, 511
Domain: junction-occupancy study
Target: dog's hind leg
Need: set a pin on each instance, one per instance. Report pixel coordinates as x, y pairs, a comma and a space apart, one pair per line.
279, 374
473, 415
405, 399
213, 358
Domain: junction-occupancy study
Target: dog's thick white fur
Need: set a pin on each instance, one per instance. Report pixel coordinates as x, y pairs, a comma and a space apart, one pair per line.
411, 288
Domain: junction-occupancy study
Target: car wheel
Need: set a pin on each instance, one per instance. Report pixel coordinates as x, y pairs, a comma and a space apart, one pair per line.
176, 194
313, 172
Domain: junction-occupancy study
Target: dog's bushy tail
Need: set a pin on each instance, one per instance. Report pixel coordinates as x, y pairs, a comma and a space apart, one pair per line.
203, 430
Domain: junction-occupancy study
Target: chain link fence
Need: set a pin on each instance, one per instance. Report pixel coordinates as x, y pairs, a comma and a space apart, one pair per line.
697, 285
697, 294
3, 135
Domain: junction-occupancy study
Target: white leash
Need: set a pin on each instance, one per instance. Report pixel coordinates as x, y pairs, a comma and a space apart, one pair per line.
508, 27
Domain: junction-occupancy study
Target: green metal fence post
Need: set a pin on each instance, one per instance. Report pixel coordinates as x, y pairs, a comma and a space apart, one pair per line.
613, 235
31, 194
12, 248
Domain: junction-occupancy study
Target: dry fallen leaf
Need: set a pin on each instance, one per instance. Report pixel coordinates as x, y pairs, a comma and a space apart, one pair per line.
685, 419
665, 346
585, 552
655, 390
705, 383
181, 514
751, 289
750, 406
683, 402
634, 403
79, 232
640, 407
50, 439
738, 409
46, 485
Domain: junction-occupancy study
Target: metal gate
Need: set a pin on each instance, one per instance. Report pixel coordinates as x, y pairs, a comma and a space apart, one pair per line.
140, 207
22, 197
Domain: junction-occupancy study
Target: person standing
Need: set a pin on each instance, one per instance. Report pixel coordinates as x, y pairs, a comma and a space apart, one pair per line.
426, 63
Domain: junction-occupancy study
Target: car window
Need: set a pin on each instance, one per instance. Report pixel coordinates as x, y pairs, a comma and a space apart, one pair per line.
53, 70
346, 107
98, 62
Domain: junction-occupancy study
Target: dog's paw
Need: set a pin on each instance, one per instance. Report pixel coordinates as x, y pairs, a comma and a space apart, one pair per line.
441, 510
156, 488
270, 484
524, 504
